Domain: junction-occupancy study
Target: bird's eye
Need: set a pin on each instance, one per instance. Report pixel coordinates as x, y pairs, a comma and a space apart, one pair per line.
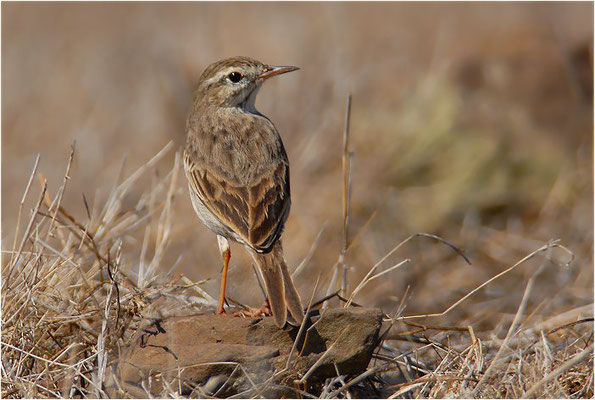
235, 77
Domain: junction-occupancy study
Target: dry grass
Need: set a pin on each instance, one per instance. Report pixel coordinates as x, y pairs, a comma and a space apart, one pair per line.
72, 298
471, 122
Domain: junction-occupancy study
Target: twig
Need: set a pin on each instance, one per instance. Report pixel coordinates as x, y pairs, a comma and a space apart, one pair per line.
398, 246
361, 230
308, 257
571, 324
346, 163
16, 233
465, 297
58, 199
331, 284
325, 298
358, 379
25, 236
303, 324
369, 278
321, 359
423, 328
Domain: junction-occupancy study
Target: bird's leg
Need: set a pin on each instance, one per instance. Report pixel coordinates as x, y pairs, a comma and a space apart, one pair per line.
226, 254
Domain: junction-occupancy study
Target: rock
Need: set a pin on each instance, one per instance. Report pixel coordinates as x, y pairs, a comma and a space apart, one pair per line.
217, 354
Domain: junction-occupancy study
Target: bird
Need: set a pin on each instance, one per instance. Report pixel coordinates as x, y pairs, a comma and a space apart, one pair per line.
238, 176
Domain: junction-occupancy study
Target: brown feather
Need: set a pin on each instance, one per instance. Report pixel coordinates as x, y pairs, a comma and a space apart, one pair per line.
280, 288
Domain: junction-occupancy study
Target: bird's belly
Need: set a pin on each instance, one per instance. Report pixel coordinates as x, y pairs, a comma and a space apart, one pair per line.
210, 220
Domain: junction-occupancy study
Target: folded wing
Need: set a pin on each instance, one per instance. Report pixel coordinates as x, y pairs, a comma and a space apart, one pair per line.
256, 213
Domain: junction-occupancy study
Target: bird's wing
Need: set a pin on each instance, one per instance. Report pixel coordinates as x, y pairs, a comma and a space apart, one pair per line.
256, 213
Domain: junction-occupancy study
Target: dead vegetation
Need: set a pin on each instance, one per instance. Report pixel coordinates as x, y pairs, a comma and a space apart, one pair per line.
72, 298
70, 295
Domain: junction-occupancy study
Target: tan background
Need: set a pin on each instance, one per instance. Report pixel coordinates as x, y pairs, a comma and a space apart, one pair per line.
472, 121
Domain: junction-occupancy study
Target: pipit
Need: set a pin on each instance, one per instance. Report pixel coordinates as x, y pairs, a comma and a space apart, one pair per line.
238, 175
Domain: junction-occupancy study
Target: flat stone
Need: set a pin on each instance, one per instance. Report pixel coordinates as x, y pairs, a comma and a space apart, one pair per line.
206, 354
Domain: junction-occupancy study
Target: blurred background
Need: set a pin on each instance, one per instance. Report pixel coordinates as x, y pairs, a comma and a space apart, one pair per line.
473, 121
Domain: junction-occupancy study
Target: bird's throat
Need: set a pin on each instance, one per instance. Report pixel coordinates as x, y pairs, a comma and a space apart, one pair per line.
249, 103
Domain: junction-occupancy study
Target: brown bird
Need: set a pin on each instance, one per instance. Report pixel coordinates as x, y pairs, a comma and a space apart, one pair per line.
238, 175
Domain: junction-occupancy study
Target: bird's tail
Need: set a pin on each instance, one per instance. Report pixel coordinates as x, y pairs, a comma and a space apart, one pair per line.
280, 289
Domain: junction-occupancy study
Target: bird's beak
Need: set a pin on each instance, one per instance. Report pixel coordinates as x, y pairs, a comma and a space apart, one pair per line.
272, 71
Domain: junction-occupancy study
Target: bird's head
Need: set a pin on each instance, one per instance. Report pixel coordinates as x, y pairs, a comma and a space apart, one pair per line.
234, 82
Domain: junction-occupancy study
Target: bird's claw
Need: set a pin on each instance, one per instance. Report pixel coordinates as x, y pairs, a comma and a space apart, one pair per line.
264, 310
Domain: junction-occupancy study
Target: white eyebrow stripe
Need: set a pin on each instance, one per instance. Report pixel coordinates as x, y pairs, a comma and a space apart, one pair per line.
212, 80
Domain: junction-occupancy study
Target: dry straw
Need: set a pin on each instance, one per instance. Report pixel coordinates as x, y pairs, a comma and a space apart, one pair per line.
73, 295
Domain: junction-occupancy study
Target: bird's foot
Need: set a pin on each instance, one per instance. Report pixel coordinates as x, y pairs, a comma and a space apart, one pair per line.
264, 310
